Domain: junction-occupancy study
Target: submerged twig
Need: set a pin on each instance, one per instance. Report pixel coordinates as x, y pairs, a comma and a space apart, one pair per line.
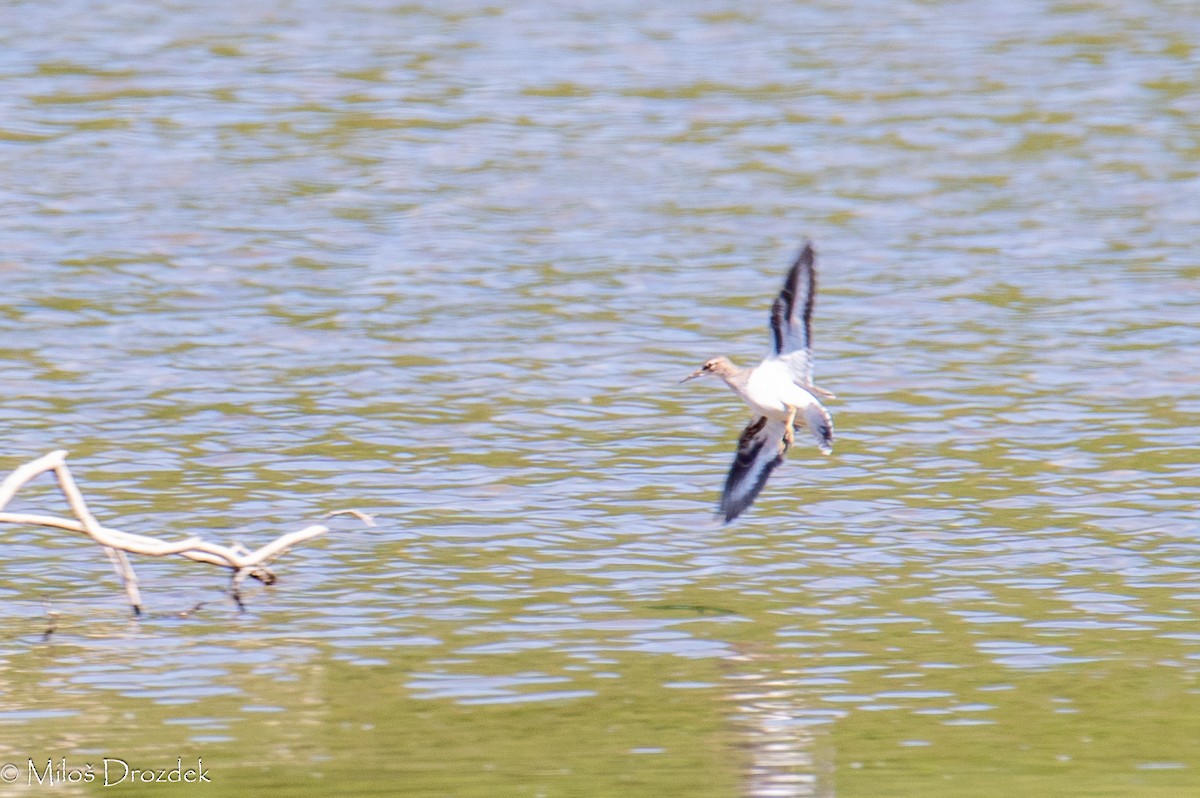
118, 544
52, 626
192, 610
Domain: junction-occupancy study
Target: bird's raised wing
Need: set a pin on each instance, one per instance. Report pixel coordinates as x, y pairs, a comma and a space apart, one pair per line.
760, 450
791, 316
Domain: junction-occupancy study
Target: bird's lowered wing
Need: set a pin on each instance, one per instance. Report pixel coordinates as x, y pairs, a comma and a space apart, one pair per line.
760, 450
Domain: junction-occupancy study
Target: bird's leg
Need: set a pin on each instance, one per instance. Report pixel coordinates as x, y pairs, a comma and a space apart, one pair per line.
789, 432
821, 392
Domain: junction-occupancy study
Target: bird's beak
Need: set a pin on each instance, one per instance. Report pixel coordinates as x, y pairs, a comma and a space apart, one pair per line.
693, 375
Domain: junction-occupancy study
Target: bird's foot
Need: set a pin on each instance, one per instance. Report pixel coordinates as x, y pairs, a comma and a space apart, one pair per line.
789, 432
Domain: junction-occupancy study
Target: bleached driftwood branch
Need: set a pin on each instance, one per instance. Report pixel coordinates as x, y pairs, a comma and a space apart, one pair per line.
117, 544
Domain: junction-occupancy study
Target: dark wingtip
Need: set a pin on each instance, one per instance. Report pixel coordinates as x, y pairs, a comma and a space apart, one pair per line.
729, 510
807, 251
731, 514
806, 258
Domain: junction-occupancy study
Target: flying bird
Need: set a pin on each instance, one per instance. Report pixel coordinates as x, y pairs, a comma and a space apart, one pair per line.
779, 390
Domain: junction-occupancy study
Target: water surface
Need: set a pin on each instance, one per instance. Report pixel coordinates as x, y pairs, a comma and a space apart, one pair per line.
446, 264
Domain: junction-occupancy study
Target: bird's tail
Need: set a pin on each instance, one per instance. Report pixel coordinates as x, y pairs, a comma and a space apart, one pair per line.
820, 425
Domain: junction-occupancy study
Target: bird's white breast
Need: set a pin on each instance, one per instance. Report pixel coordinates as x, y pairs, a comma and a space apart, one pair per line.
770, 390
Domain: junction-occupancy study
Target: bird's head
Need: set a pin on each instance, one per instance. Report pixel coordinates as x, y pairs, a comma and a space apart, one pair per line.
716, 365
